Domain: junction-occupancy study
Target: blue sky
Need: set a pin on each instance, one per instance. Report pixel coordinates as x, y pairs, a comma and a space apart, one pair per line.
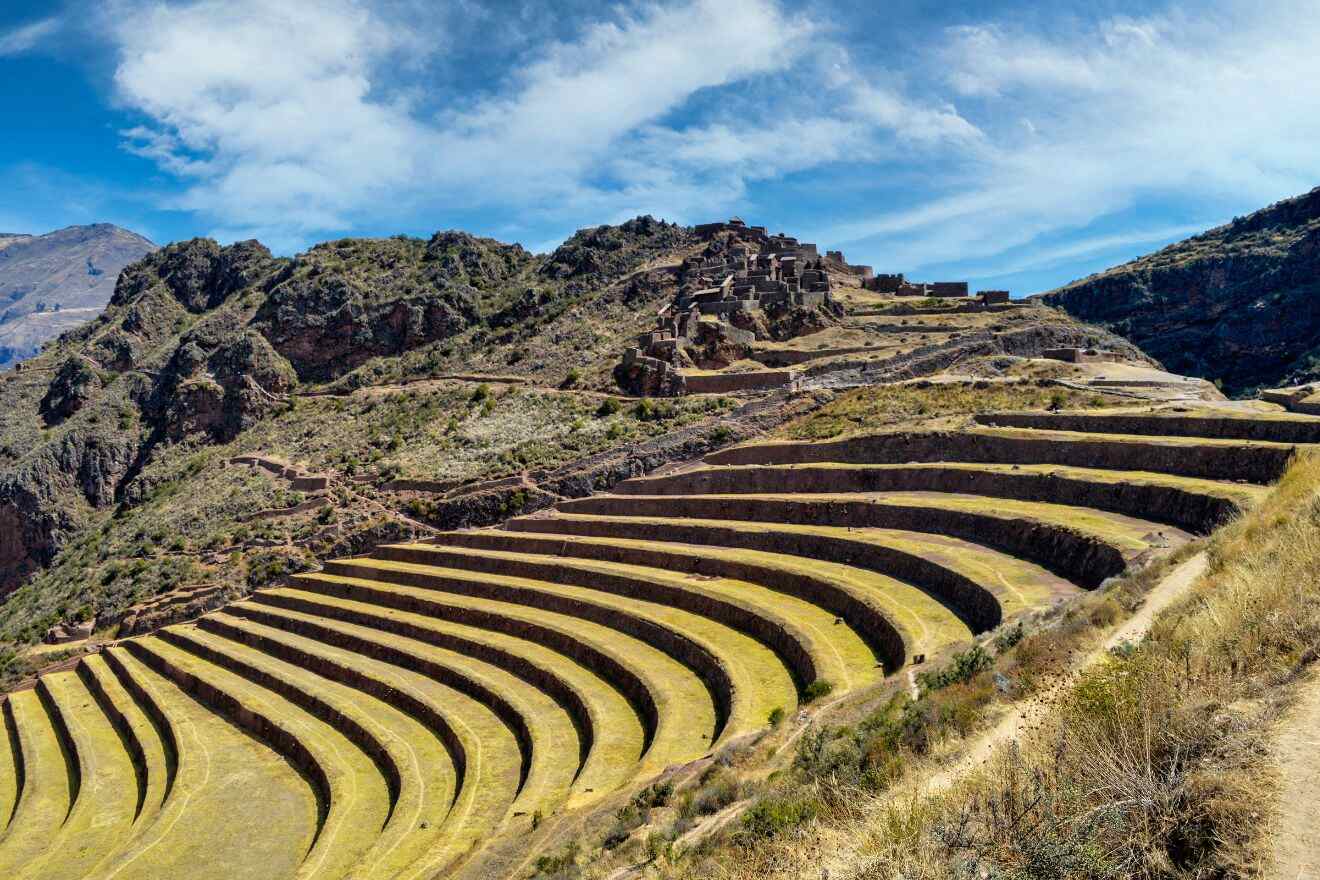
1014, 144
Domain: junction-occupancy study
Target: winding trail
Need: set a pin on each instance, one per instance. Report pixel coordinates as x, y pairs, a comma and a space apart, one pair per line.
1295, 841
1023, 715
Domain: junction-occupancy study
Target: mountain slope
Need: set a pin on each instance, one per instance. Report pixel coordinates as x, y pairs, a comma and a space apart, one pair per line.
233, 416
1239, 304
51, 283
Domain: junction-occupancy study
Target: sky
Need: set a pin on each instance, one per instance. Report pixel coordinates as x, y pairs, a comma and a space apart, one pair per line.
1014, 144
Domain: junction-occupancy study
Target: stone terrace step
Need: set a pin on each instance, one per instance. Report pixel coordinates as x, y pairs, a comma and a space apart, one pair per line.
427, 729
744, 678
816, 647
671, 701
981, 585
136, 735
1188, 457
1196, 505
353, 795
542, 729
47, 790
415, 763
1273, 429
638, 580
1082, 545
108, 793
616, 736
234, 809
9, 771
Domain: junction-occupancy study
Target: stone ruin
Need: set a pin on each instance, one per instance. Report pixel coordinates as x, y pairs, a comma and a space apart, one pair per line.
898, 285
744, 275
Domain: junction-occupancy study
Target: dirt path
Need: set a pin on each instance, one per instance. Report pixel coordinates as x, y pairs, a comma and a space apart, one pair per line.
1023, 715
1296, 838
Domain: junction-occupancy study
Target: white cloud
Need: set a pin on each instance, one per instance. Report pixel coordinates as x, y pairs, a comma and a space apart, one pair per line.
1219, 109
291, 120
27, 37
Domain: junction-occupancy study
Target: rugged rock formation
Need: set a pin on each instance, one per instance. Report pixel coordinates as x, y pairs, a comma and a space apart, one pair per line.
74, 384
51, 283
1239, 304
345, 302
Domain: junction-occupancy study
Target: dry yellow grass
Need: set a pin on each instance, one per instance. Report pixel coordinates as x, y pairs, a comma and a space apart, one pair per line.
1153, 765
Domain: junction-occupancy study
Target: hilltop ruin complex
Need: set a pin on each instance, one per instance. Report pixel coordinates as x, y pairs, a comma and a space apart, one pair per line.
748, 285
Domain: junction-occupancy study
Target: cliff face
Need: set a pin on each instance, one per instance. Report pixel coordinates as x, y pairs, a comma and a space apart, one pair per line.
51, 283
199, 344
1239, 304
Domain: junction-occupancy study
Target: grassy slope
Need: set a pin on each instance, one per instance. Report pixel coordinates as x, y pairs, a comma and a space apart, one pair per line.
1152, 764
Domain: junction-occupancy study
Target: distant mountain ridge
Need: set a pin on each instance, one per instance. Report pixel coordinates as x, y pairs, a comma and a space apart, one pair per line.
50, 283
1238, 304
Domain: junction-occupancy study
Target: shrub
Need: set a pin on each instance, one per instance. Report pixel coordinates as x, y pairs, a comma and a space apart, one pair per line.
481, 394
775, 815
965, 665
648, 410
1009, 638
817, 689
574, 376
1106, 613
608, 407
776, 716
717, 794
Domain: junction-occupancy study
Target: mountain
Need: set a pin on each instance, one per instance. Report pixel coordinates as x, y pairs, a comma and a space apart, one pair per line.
379, 380
53, 282
1239, 304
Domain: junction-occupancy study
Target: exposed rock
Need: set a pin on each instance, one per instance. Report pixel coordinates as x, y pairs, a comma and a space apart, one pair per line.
717, 345
199, 274
222, 378
74, 384
1239, 304
343, 303
604, 251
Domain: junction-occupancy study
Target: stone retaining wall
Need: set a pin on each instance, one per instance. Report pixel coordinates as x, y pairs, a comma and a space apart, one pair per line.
619, 676
1220, 427
1187, 509
972, 603
169, 737
730, 383
265, 729
508, 714
314, 705
1249, 463
1082, 559
538, 677
774, 633
706, 665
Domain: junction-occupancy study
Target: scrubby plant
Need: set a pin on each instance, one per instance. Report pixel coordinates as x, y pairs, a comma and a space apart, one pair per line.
817, 689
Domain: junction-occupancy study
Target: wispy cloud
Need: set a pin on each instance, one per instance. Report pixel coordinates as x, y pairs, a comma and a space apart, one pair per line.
1212, 109
28, 37
1004, 144
291, 120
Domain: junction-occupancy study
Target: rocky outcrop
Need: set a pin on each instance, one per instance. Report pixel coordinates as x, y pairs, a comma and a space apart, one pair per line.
343, 303
74, 384
611, 251
1239, 304
222, 378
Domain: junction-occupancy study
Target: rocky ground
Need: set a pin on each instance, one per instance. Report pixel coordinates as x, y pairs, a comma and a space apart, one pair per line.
433, 383
1236, 304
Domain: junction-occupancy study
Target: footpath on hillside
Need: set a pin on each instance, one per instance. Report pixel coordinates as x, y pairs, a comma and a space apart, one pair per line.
1024, 715
1296, 839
